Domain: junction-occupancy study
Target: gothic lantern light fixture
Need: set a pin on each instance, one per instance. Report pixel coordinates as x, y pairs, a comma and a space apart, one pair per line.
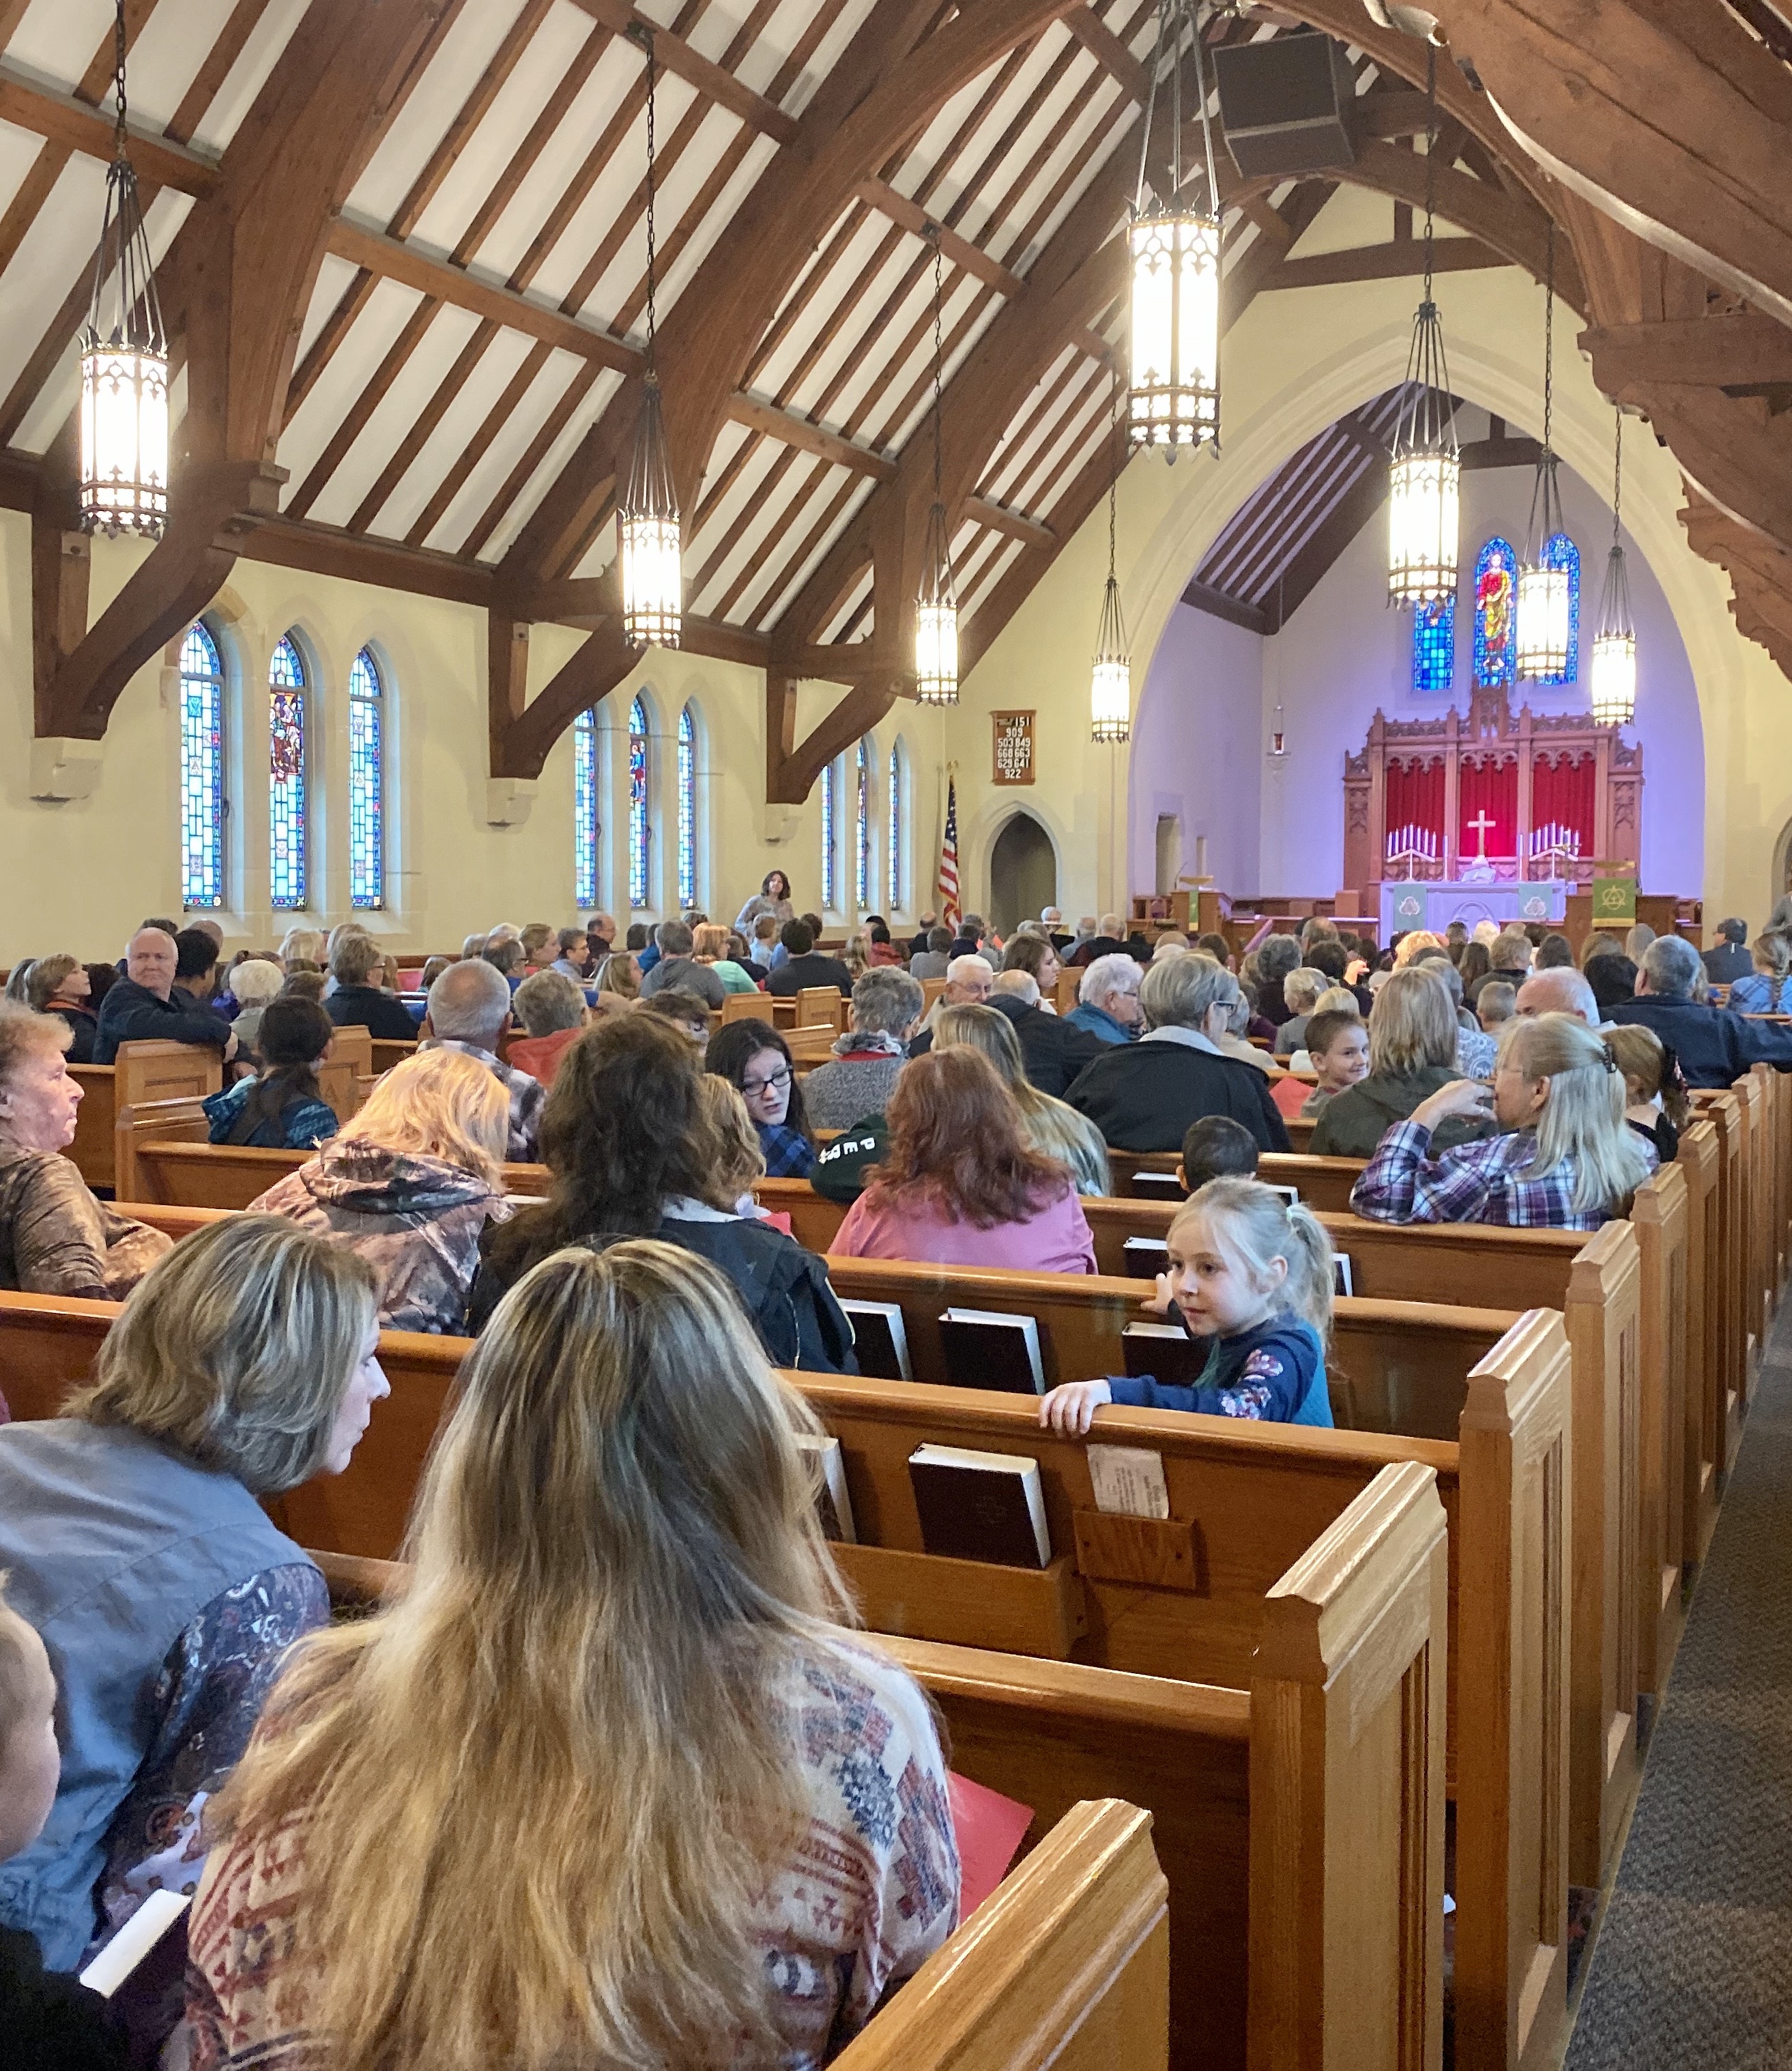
1613, 670
1173, 242
124, 406
648, 532
1424, 478
936, 607
1110, 690
1544, 615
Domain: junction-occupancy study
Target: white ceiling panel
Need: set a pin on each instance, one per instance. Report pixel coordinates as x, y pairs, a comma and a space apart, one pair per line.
548, 467
369, 337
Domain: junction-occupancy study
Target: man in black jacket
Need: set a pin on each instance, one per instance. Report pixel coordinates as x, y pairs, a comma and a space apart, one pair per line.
138, 1008
357, 1004
1728, 959
802, 966
1053, 1052
1715, 1046
1144, 1096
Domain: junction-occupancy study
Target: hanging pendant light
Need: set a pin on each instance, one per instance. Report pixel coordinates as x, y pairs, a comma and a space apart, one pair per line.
124, 406
1424, 479
1174, 246
936, 607
648, 536
1613, 670
1110, 689
1544, 615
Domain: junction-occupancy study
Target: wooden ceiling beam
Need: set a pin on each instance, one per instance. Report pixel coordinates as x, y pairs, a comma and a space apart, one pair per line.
1397, 259
1309, 567
1216, 604
1732, 348
78, 126
1132, 78
1012, 524
968, 257
711, 80
789, 429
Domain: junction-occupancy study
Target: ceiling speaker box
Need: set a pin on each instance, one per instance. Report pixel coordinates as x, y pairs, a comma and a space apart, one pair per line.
1285, 104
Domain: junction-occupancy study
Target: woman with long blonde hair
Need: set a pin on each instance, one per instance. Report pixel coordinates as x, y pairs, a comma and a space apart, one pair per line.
410, 1184
1567, 1159
1054, 1128
610, 1783
1413, 1054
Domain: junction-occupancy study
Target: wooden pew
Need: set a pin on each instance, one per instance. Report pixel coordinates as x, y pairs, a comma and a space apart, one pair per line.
1311, 1792
1252, 1499
95, 1149
150, 1080
1736, 1336
747, 1007
1712, 1412
388, 1053
197, 1174
1323, 1183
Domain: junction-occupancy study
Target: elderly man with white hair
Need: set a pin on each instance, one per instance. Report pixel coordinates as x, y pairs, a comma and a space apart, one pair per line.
1108, 1006
1052, 1052
1560, 990
469, 1010
1714, 1046
145, 1006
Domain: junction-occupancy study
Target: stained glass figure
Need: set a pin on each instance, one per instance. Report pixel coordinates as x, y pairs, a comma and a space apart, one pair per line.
687, 811
367, 786
1559, 551
201, 770
584, 809
639, 832
831, 873
1495, 616
894, 894
286, 830
1434, 645
862, 830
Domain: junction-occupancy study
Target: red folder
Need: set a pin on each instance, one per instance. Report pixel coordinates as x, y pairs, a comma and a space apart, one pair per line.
991, 1829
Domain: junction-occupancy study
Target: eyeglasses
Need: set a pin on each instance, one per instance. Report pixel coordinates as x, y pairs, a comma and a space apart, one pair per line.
775, 1083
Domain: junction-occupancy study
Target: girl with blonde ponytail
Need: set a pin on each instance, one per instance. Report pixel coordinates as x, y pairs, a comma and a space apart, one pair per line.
1253, 1277
609, 1784
1566, 1160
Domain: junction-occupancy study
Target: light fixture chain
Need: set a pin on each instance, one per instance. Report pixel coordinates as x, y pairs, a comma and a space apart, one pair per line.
119, 41
1617, 469
1113, 460
1430, 155
647, 37
939, 355
1549, 334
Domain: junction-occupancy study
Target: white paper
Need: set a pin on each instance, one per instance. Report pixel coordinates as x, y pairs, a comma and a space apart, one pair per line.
1128, 1480
133, 1942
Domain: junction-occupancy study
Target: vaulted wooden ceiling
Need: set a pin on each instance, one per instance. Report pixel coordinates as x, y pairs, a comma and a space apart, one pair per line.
402, 250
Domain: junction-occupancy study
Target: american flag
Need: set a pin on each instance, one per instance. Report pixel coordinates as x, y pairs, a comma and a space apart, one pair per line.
949, 859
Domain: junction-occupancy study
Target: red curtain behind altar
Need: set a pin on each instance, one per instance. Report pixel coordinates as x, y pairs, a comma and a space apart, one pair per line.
1485, 786
1416, 799
1562, 795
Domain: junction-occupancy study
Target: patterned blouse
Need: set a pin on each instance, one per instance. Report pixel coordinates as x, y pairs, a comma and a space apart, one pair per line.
869, 1893
1486, 1182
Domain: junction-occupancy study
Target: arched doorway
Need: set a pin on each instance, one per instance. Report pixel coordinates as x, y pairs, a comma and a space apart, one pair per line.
1023, 873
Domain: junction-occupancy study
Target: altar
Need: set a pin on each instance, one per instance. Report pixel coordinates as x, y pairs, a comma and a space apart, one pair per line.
1434, 902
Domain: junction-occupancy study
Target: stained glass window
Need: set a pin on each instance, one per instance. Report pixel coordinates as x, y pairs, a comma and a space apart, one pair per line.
862, 830
687, 811
585, 825
201, 770
1434, 645
1559, 551
894, 835
830, 869
286, 775
367, 786
639, 828
1496, 615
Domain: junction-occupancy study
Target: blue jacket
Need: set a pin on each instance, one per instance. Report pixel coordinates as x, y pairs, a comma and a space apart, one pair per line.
301, 1124
1097, 1021
131, 1013
1715, 1046
1275, 1373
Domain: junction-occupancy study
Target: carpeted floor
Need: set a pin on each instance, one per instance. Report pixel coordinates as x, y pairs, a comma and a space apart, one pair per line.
1693, 1964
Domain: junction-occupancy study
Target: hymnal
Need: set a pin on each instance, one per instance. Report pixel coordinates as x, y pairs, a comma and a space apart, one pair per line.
986, 1348
990, 1829
1290, 1194
1164, 1352
1147, 1257
880, 1339
833, 1499
1341, 1273
134, 1941
980, 1506
1158, 1187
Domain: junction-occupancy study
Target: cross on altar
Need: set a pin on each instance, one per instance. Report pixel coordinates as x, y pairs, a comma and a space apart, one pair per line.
1481, 823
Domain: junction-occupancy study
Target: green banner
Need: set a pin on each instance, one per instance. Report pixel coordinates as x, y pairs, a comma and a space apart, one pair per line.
1614, 899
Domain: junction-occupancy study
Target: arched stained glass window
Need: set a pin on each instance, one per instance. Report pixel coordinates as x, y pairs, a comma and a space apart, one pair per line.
640, 833
586, 824
894, 833
687, 811
201, 770
1434, 645
862, 829
286, 816
830, 853
1496, 615
1559, 551
366, 785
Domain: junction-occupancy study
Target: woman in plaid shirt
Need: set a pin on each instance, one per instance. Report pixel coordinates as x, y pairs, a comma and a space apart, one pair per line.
1565, 1160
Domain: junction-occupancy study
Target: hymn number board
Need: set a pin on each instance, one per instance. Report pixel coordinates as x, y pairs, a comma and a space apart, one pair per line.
1013, 747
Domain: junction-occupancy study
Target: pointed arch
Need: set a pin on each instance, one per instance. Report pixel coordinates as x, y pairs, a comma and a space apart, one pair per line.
1559, 551
1495, 616
367, 783
202, 769
862, 876
896, 832
288, 827
1434, 645
687, 809
587, 816
640, 832
829, 785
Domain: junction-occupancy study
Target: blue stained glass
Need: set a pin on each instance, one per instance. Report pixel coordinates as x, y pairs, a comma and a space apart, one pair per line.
367, 786
895, 830
286, 842
1496, 615
1434, 645
585, 825
201, 770
687, 811
1559, 551
830, 885
862, 833
639, 828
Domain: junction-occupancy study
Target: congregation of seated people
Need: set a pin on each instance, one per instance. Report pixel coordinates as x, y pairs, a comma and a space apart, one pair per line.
621, 1597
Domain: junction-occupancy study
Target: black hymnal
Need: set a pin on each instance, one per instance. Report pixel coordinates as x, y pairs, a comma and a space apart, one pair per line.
880, 1339
980, 1506
1341, 1281
1163, 1352
1158, 1187
833, 1499
986, 1348
1147, 1257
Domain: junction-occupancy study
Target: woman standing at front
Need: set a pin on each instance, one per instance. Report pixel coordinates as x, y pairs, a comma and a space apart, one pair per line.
773, 897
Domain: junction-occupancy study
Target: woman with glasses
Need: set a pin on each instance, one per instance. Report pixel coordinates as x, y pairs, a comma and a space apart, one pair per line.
755, 1059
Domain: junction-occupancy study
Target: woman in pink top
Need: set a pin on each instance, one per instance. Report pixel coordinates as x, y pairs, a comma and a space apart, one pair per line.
959, 1185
